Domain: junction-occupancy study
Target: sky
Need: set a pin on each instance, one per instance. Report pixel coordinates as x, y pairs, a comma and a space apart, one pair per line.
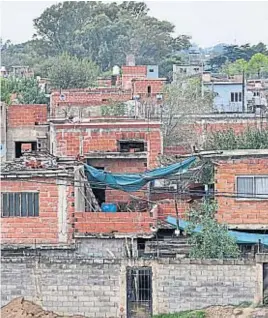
208, 22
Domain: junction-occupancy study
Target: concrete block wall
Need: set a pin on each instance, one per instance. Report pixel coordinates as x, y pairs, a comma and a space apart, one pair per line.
54, 223
246, 212
202, 284
65, 285
105, 248
96, 287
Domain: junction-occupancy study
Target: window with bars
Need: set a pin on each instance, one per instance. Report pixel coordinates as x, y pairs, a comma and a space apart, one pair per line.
252, 187
20, 204
236, 97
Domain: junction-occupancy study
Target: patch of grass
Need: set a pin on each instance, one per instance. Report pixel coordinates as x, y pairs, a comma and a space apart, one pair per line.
184, 314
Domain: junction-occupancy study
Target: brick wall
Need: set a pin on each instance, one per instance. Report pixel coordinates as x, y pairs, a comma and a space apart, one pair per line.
140, 87
44, 228
121, 222
85, 100
96, 287
70, 139
234, 211
26, 115
132, 72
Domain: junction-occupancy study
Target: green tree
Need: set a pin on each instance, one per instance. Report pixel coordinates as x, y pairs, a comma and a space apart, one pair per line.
212, 240
235, 68
114, 109
27, 89
231, 53
258, 64
5, 91
72, 72
29, 92
106, 32
184, 101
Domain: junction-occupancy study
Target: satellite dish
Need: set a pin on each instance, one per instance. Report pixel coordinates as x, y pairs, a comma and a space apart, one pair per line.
62, 97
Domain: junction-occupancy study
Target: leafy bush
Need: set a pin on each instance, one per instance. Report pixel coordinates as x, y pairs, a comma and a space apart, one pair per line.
213, 239
252, 138
184, 314
115, 109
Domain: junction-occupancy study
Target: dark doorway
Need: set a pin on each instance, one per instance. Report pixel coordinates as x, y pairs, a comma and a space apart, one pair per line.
139, 292
99, 190
24, 146
149, 91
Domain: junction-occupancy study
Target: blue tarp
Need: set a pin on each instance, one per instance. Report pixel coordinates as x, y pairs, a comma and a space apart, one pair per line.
134, 182
241, 237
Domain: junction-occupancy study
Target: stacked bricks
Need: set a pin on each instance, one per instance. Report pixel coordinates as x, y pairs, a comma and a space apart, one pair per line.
121, 222
240, 211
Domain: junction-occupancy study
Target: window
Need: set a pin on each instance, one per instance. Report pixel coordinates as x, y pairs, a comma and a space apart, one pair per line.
131, 146
252, 187
20, 204
151, 70
236, 97
24, 146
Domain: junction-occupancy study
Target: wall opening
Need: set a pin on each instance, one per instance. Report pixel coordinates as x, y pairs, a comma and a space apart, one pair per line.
131, 146
98, 191
113, 80
25, 146
139, 292
149, 91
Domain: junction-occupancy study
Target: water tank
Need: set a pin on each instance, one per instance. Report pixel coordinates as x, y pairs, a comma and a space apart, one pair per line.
116, 70
108, 207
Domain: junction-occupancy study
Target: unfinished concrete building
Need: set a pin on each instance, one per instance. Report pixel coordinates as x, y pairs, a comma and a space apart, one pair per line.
27, 129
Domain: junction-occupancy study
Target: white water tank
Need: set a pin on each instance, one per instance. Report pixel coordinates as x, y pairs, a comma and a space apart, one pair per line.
116, 70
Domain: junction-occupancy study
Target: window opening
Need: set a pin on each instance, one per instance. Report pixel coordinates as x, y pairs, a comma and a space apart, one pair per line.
252, 186
131, 146
25, 146
20, 204
98, 191
149, 91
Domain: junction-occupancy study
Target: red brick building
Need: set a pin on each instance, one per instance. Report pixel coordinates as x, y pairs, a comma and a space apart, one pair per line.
37, 205
241, 187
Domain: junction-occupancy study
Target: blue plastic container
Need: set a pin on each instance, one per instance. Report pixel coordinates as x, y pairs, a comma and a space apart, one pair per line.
109, 207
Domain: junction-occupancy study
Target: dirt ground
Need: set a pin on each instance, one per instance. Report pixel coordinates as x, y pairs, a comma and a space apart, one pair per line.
236, 312
21, 308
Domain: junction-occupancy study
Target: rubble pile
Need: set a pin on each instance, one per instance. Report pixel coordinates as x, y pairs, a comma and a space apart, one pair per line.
21, 308
29, 161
